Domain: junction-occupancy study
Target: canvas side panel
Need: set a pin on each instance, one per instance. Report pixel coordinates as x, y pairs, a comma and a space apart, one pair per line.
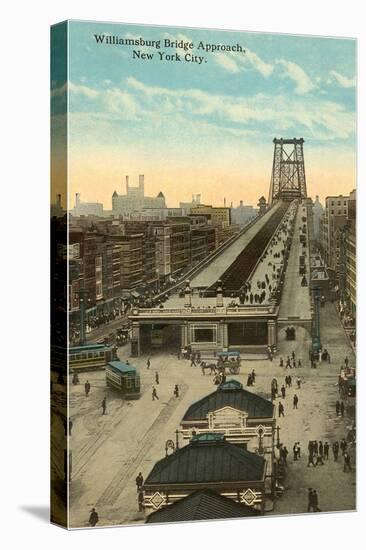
59, 423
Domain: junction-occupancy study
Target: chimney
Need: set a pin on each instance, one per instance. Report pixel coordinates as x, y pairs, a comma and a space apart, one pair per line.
224, 201
77, 199
241, 203
219, 295
187, 295
127, 185
58, 200
141, 182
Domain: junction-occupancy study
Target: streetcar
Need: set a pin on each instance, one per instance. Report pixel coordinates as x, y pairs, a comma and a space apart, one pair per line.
89, 357
124, 378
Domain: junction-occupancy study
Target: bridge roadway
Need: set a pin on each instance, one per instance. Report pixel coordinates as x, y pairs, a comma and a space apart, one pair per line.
213, 271
295, 302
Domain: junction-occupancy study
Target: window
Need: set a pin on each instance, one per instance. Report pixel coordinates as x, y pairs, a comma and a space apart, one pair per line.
128, 383
204, 333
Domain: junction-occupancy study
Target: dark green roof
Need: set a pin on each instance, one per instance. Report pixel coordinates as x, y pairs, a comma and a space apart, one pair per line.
201, 505
207, 461
120, 367
230, 394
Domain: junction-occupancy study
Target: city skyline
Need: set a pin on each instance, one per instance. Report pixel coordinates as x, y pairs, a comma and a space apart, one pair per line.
215, 133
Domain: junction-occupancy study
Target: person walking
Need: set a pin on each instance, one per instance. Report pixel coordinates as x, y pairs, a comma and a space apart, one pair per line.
310, 500
281, 409
281, 362
157, 378
148, 363
346, 361
347, 462
316, 501
87, 388
295, 401
253, 376
335, 449
326, 450
283, 392
284, 453
176, 390
342, 409
93, 518
140, 500
299, 364
104, 405
320, 448
298, 382
337, 406
154, 394
139, 482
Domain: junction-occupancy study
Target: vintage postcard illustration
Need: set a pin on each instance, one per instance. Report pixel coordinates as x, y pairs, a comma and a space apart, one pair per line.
203, 224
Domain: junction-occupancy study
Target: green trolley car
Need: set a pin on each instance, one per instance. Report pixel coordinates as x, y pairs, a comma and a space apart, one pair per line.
89, 357
124, 378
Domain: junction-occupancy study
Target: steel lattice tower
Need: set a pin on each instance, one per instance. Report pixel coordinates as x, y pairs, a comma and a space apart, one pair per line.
288, 172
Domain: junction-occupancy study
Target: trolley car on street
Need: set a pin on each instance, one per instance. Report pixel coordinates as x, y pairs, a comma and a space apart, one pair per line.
89, 357
124, 378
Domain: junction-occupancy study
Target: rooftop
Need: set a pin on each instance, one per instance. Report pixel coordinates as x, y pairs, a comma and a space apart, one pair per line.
207, 459
230, 394
121, 367
201, 505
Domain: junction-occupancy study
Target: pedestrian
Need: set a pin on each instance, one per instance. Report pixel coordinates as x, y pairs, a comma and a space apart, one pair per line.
315, 501
281, 362
154, 394
283, 392
290, 381
253, 376
104, 404
320, 448
346, 361
284, 453
328, 357
299, 364
295, 401
281, 409
293, 355
139, 481
311, 458
249, 380
298, 381
296, 451
310, 499
176, 390
343, 446
93, 518
347, 462
342, 409
140, 500
193, 364
157, 378
335, 449
326, 450
338, 406
87, 388
148, 363
315, 447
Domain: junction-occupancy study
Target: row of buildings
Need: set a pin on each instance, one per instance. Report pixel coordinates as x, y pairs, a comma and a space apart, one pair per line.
113, 259
337, 242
